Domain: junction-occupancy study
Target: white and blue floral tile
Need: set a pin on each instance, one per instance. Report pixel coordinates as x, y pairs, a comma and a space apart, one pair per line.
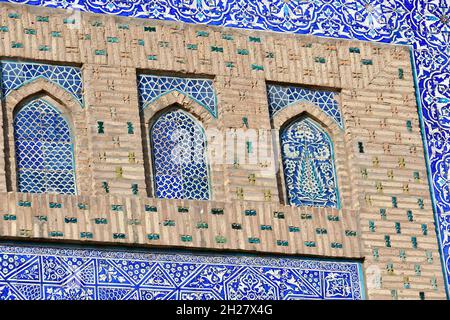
308, 165
45, 273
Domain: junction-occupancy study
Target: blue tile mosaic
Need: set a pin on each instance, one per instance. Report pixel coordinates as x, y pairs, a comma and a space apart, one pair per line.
44, 150
281, 97
38, 273
201, 90
179, 157
423, 25
308, 165
16, 74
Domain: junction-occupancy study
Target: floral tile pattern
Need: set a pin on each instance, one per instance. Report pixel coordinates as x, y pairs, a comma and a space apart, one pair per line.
38, 273
44, 150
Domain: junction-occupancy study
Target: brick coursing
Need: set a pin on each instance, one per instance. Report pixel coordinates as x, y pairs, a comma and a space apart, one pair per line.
384, 190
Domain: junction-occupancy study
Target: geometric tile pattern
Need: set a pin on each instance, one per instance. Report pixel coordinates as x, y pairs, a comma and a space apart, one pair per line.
308, 164
423, 25
37, 273
281, 97
44, 150
16, 74
179, 157
202, 91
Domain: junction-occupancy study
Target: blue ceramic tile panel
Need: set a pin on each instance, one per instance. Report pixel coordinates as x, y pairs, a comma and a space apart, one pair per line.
179, 157
16, 74
201, 90
44, 150
34, 273
281, 97
308, 165
423, 25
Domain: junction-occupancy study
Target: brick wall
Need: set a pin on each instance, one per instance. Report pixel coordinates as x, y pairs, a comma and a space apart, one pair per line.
386, 216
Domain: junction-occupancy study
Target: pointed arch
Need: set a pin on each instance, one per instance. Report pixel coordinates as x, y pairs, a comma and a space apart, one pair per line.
307, 155
44, 151
178, 152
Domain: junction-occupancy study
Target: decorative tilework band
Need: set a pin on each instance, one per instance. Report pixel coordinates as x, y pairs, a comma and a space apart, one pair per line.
38, 273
